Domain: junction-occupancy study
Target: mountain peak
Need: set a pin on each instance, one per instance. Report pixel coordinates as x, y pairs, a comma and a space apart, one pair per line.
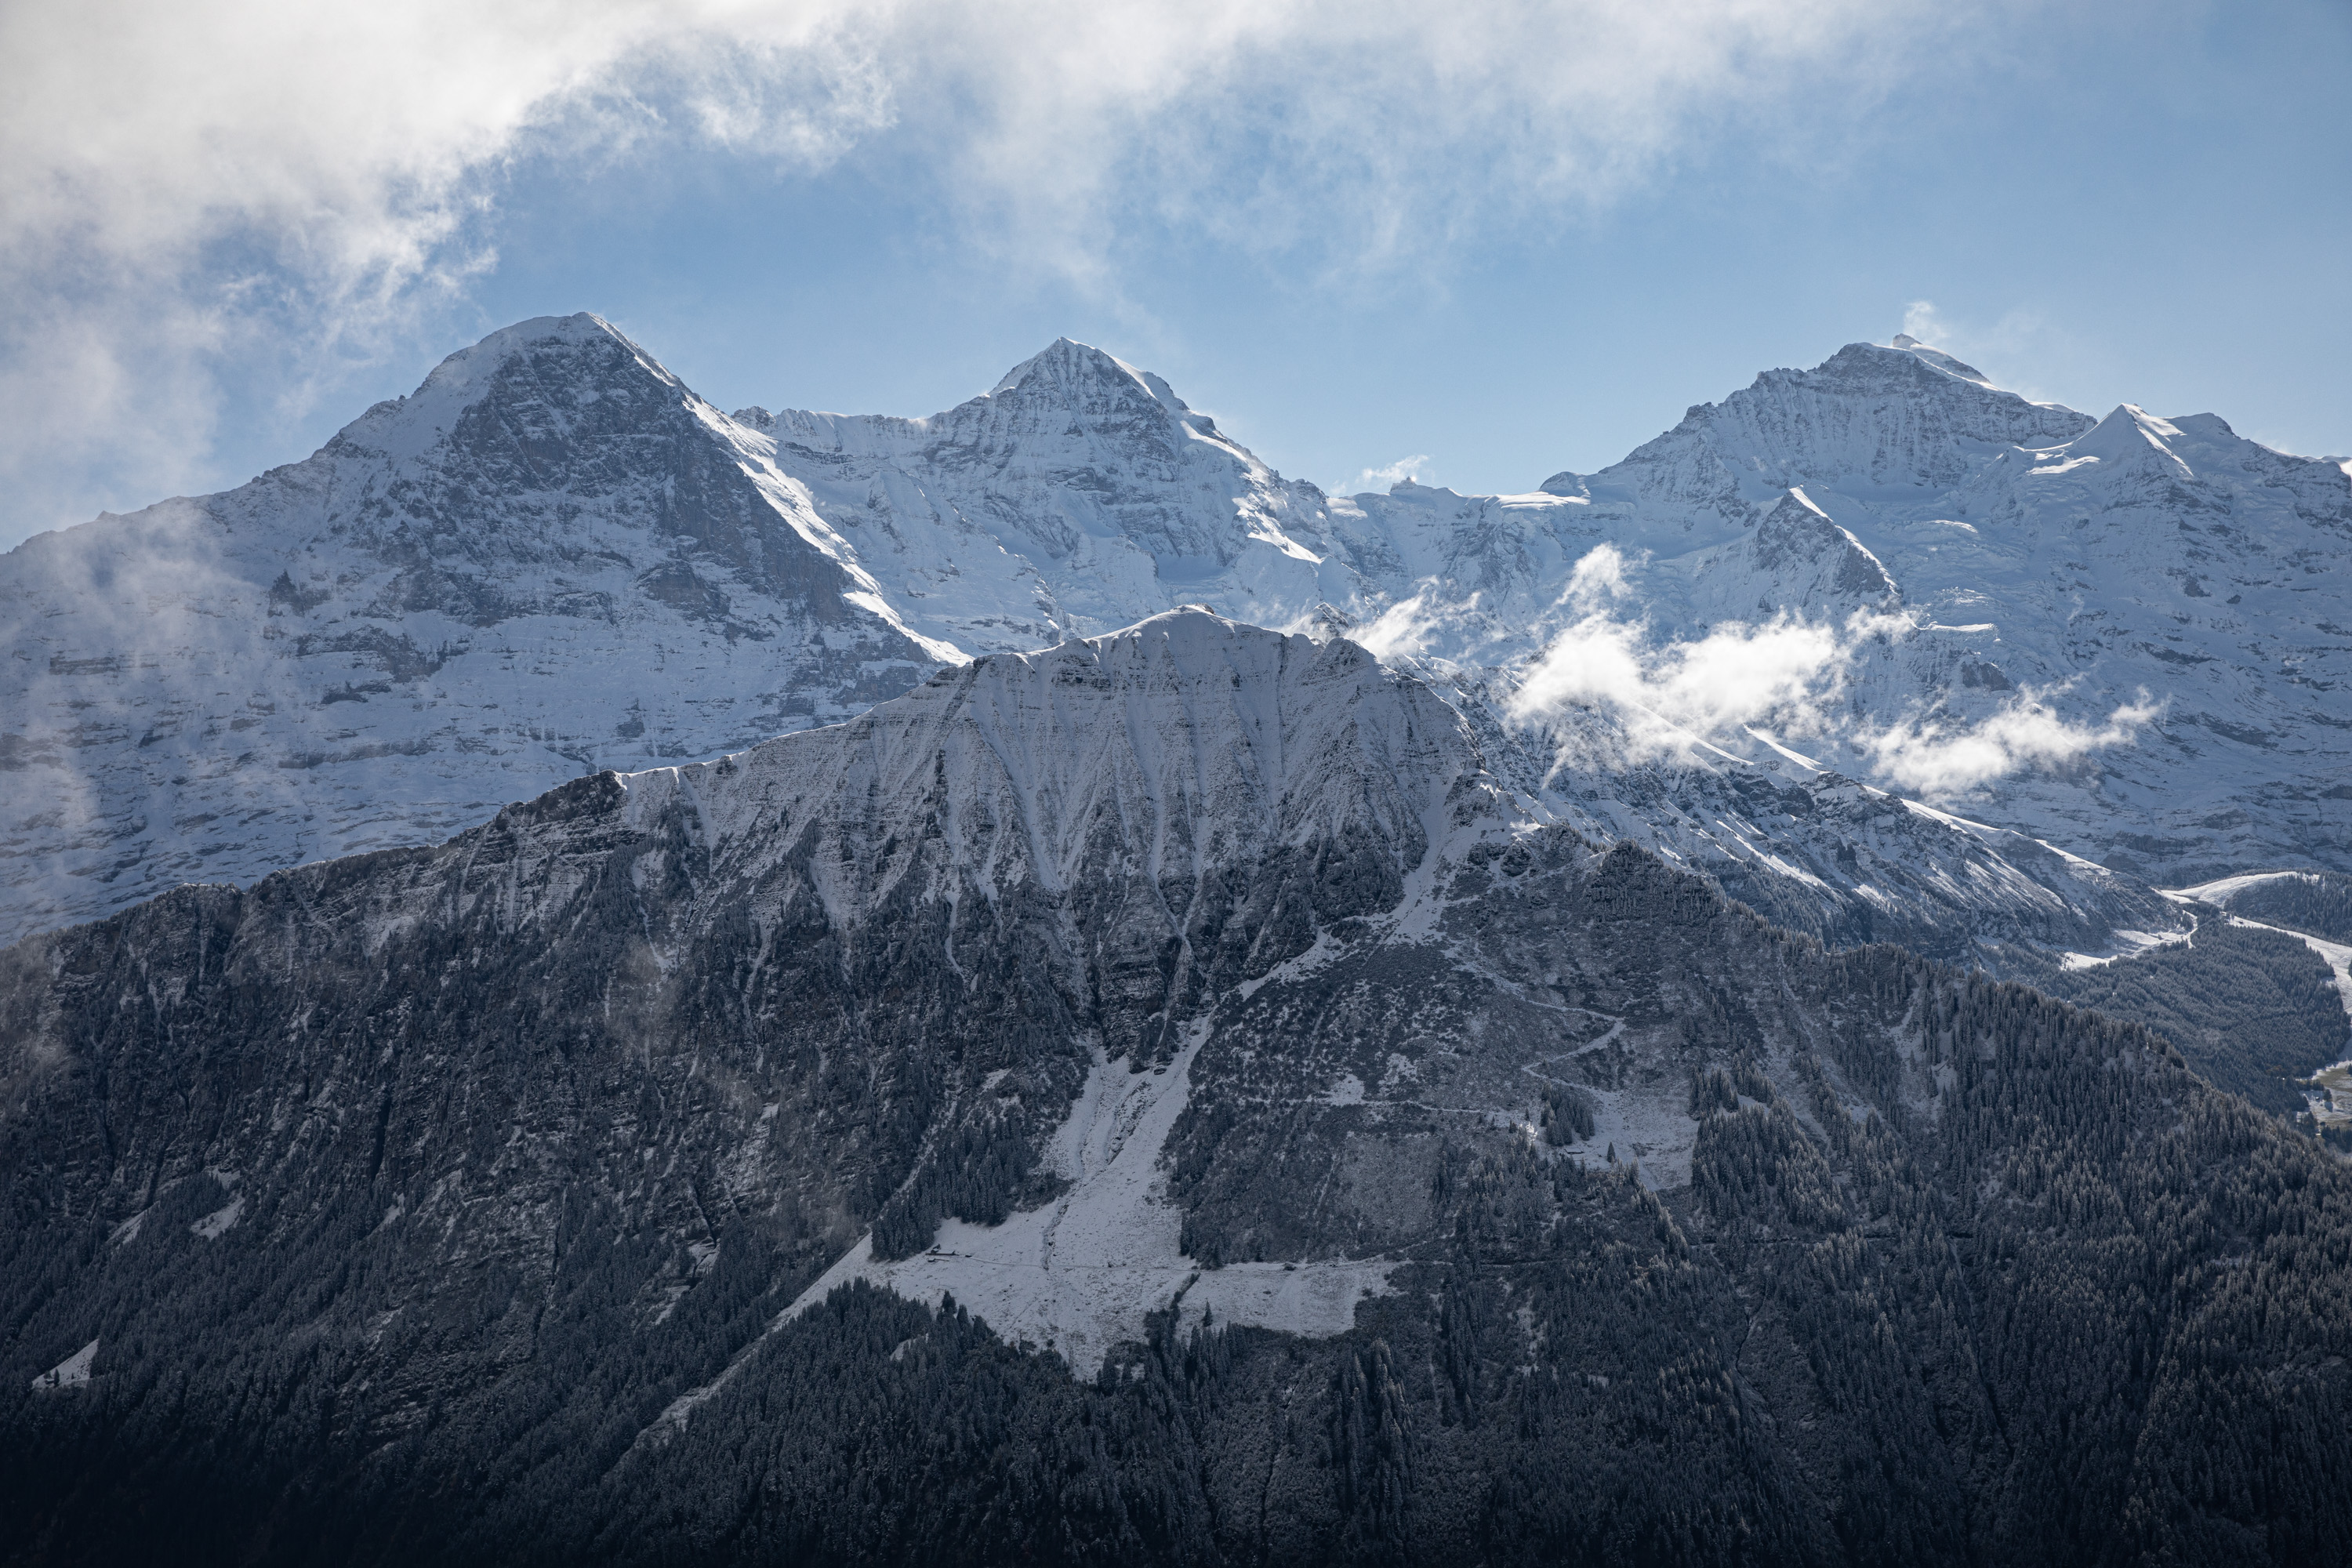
470, 368
1070, 372
1187, 635
1905, 354
547, 357
1871, 414
1938, 359
2130, 435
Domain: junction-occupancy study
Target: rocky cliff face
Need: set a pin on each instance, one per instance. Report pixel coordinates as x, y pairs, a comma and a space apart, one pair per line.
1165, 1097
798, 976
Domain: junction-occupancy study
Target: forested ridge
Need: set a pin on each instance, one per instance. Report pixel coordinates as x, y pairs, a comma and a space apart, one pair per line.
2317, 902
2254, 1010
1960, 1273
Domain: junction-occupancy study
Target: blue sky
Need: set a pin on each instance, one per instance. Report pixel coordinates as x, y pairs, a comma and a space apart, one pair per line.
1521, 240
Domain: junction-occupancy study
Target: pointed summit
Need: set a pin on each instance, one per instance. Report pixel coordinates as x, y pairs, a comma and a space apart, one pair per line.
551, 556
1077, 374
2127, 438
1079, 494
1813, 562
1873, 415
545, 374
1939, 359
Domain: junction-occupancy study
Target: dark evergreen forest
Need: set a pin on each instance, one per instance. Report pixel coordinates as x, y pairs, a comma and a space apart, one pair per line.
2254, 1010
1963, 1274
2318, 902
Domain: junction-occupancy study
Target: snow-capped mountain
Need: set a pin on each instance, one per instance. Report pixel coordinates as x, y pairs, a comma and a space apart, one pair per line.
1189, 1092
2023, 574
1158, 1098
553, 557
1084, 488
2113, 634
1078, 496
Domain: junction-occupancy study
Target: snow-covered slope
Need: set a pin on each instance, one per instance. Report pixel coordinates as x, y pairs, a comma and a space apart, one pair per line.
1078, 496
1149, 760
551, 557
1082, 493
2125, 636
975, 917
2027, 616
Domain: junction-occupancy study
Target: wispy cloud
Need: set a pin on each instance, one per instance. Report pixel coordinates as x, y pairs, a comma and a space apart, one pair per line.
1389, 474
1922, 320
1668, 695
1403, 630
1783, 670
1934, 756
287, 184
2022, 336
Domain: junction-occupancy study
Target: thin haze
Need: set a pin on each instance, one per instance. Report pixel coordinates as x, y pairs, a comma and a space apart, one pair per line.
1468, 244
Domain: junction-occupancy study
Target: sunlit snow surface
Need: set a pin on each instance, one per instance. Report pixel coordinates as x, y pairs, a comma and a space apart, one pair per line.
555, 557
551, 557
217, 1224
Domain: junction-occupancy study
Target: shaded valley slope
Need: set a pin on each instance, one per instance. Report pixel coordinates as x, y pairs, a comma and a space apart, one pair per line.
1161, 1099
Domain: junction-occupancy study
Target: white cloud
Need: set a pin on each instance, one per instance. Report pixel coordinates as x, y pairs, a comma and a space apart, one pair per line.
1403, 630
1921, 320
1933, 757
1782, 670
288, 185
1598, 576
1389, 474
2022, 336
1786, 673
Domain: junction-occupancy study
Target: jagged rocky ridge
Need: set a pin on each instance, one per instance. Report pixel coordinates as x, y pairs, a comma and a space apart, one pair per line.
467, 1203
2002, 553
553, 557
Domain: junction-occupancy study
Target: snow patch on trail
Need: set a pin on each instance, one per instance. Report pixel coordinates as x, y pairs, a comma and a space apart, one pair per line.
2224, 889
2127, 944
1348, 1091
